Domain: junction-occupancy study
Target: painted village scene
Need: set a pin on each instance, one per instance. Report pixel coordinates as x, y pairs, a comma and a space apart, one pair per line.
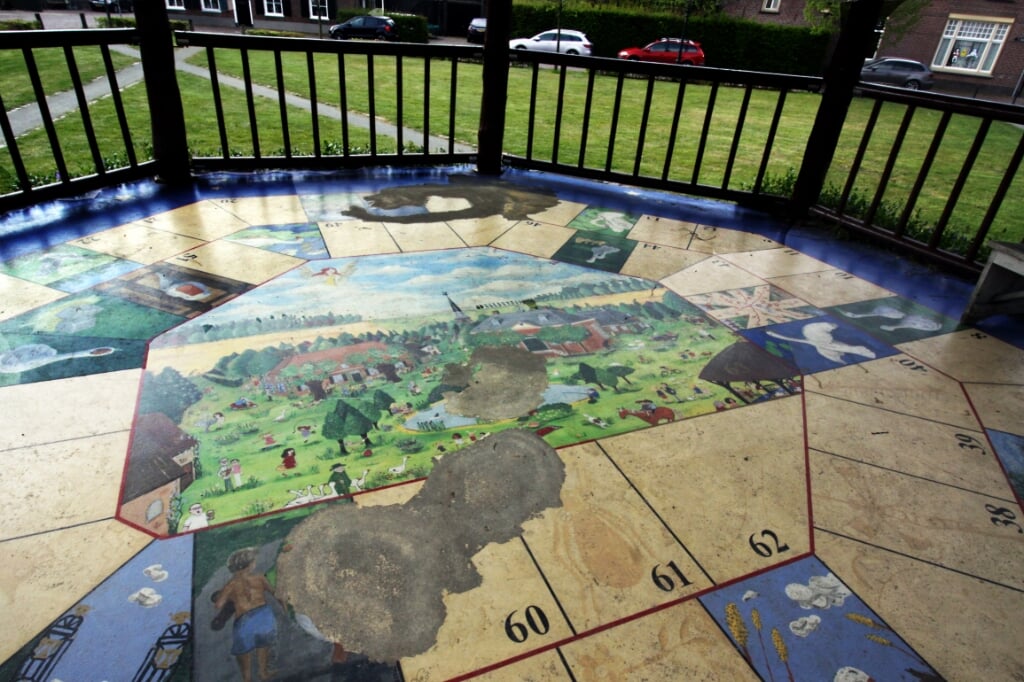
443, 418
323, 383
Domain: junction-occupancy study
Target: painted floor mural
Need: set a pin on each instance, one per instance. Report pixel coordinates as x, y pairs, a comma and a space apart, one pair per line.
384, 386
336, 430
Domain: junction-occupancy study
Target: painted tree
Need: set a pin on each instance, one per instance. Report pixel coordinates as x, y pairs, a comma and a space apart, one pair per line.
382, 400
346, 420
389, 370
437, 393
589, 375
224, 362
621, 371
254, 363
372, 405
604, 378
653, 310
316, 389
167, 392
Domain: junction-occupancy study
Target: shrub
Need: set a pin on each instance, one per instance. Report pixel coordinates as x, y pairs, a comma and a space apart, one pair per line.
126, 21
273, 33
777, 185
412, 28
409, 446
19, 25
954, 239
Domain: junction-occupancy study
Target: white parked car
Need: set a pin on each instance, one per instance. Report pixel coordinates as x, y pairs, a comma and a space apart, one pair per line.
564, 41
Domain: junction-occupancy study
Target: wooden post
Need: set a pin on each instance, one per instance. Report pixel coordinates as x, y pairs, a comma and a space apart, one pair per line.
491, 133
841, 77
166, 115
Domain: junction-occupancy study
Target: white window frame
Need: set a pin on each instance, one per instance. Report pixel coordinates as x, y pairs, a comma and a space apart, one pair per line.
771, 6
273, 8
322, 6
970, 45
211, 5
175, 5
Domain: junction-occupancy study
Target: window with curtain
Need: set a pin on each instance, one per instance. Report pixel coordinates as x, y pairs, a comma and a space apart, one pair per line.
970, 45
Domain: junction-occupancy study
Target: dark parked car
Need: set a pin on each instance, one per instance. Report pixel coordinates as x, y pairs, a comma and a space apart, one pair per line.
667, 51
374, 28
476, 31
111, 5
903, 72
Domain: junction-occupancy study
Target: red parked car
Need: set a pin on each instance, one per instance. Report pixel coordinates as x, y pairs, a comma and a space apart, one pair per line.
667, 51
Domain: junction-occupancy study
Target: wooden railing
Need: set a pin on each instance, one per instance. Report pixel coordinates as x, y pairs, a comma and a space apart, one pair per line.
931, 174
101, 160
730, 135
679, 128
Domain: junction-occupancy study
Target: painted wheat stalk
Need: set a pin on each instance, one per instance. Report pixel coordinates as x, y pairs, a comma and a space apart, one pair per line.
869, 622
737, 627
878, 639
755, 618
782, 651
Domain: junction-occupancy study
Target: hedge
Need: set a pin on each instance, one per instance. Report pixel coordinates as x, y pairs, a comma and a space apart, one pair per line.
412, 28
128, 21
19, 25
728, 43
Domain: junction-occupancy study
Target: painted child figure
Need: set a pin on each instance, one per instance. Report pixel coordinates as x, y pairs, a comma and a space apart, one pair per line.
287, 461
236, 473
254, 628
224, 471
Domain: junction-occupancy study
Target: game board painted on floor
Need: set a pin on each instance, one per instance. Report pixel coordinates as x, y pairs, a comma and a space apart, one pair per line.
717, 402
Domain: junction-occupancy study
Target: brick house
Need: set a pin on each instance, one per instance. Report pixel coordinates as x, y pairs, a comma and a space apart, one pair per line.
975, 47
785, 12
248, 12
161, 464
266, 13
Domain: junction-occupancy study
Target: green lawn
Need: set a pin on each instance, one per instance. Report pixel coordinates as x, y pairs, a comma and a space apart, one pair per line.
53, 70
977, 194
203, 137
785, 155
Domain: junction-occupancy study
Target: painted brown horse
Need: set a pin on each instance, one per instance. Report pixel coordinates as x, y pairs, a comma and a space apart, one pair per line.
653, 418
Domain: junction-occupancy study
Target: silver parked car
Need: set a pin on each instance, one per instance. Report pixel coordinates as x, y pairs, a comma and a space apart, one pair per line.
564, 41
893, 71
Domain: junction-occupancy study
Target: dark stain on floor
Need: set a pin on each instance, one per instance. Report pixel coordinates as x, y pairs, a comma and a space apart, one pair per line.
500, 383
406, 204
373, 579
